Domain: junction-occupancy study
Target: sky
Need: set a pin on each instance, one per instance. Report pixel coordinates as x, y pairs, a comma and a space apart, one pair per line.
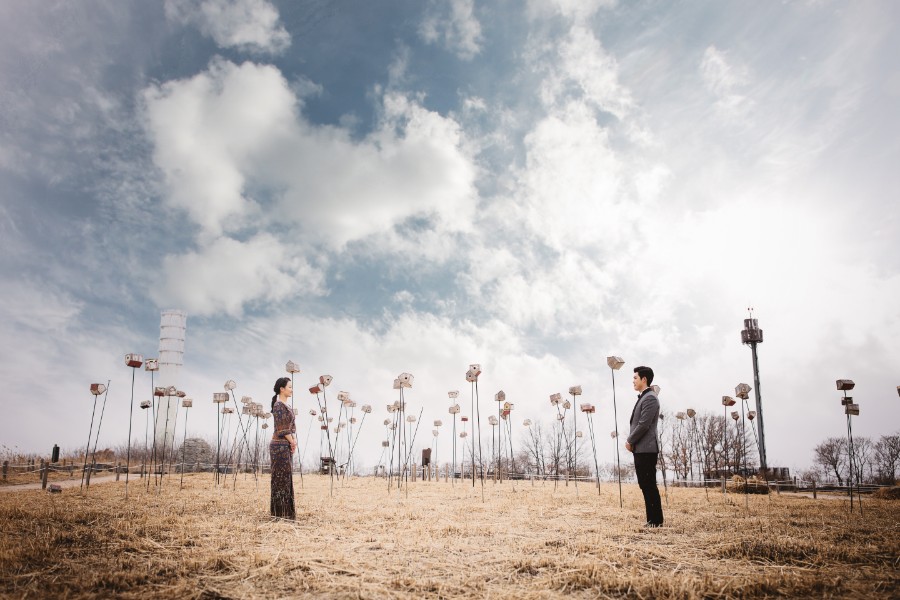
370, 188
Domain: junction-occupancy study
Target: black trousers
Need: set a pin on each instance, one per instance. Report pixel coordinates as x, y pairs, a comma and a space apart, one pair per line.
645, 469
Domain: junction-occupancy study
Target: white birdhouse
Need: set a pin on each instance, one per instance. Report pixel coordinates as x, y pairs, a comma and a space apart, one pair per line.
680, 416
463, 434
575, 390
391, 408
493, 420
728, 401
227, 411
406, 379
145, 404
218, 397
292, 367
171, 391
411, 419
751, 415
508, 406
742, 390
245, 410
852, 409
331, 419
615, 362
366, 408
187, 403
312, 412
735, 415
454, 410
567, 405
160, 391
500, 396
151, 364
97, 389
246, 399
579, 434
438, 422
385, 444
134, 360
691, 412
387, 422
325, 380
343, 396
434, 432
180, 393
587, 408
265, 425
527, 422
453, 394
613, 434
353, 420
555, 398
321, 419
397, 384
230, 385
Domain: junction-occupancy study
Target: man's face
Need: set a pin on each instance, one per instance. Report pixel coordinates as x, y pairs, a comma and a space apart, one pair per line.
640, 384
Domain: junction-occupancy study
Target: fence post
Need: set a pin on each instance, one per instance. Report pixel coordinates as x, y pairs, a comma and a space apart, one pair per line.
118, 466
5, 469
814, 489
45, 469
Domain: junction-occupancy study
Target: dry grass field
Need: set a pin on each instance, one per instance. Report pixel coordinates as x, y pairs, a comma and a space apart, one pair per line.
439, 540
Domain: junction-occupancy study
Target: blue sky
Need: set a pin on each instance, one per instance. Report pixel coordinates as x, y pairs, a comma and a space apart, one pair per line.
372, 188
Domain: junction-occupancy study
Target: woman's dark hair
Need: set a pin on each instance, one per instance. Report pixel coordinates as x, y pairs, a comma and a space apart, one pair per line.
279, 383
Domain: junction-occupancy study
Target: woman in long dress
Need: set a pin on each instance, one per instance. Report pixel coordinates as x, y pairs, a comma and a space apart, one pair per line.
281, 452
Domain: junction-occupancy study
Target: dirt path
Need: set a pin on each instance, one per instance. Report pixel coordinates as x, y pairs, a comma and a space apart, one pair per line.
65, 483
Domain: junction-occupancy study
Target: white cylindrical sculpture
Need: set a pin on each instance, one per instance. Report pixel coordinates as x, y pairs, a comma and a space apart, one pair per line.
172, 326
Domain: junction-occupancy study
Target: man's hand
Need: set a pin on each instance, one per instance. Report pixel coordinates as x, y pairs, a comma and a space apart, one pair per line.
629, 447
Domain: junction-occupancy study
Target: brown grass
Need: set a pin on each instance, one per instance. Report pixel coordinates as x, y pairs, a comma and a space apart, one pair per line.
524, 541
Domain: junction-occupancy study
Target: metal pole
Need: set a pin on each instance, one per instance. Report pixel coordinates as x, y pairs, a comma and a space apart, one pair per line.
183, 450
128, 455
759, 410
616, 418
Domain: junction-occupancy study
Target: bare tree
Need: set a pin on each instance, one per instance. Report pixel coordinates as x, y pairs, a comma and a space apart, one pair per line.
534, 447
862, 459
831, 455
887, 458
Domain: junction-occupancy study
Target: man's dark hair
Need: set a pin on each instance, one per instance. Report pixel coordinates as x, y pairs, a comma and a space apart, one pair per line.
645, 372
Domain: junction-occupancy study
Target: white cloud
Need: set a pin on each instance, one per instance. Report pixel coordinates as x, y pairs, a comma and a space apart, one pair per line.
225, 275
725, 80
205, 130
231, 126
250, 25
459, 31
577, 10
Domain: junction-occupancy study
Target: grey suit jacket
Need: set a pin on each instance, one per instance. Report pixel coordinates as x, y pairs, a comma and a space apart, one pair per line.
644, 418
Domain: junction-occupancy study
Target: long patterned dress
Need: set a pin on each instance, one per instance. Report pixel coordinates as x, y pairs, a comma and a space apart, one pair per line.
282, 502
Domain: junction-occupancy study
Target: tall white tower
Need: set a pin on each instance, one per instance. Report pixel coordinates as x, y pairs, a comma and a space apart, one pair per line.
172, 326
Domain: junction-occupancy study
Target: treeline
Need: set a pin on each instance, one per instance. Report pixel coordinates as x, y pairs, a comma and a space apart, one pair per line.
872, 462
692, 445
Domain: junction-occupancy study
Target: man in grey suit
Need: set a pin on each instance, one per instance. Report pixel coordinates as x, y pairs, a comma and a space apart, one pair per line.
642, 442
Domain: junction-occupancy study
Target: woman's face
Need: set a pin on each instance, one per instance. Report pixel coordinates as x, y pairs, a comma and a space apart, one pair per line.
288, 390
